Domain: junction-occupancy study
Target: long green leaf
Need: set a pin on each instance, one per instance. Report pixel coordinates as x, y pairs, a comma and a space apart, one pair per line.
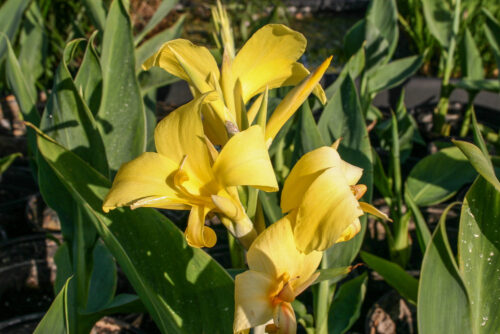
343, 118
479, 254
97, 12
492, 31
6, 161
160, 13
184, 290
346, 306
439, 176
479, 161
439, 17
394, 275
88, 80
55, 320
472, 65
11, 14
121, 115
443, 302
393, 74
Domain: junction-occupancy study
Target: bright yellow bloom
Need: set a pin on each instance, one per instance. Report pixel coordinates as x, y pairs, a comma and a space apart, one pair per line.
267, 60
321, 190
278, 273
189, 173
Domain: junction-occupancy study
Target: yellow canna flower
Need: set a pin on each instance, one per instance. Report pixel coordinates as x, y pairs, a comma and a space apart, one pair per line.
321, 190
278, 273
189, 173
267, 60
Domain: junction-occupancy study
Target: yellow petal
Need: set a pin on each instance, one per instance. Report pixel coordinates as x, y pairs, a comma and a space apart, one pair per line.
254, 108
368, 208
274, 252
244, 160
197, 58
327, 209
144, 181
305, 171
267, 59
213, 126
284, 318
253, 305
351, 231
180, 137
197, 234
292, 101
352, 173
299, 73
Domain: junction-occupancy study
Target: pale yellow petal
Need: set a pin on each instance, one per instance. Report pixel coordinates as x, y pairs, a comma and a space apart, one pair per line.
145, 181
253, 304
267, 59
292, 101
351, 231
284, 319
305, 171
368, 208
197, 234
244, 160
274, 252
180, 138
352, 173
197, 58
327, 209
299, 73
213, 125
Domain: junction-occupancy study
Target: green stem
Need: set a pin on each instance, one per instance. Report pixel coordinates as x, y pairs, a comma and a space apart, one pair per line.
322, 303
396, 167
467, 116
236, 252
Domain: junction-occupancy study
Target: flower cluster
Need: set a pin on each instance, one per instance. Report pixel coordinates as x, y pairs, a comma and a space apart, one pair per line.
207, 148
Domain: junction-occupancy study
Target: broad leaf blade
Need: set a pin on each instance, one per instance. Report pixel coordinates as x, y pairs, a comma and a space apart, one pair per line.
472, 66
346, 306
393, 74
55, 320
443, 303
342, 118
11, 14
479, 254
434, 178
394, 275
121, 114
439, 17
481, 163
184, 290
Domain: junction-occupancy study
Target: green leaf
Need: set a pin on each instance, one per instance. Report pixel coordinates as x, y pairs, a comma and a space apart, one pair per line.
492, 31
103, 280
33, 37
150, 108
354, 38
160, 13
479, 254
6, 161
152, 45
55, 320
333, 275
121, 115
67, 118
88, 80
24, 90
155, 77
492, 85
184, 290
270, 206
381, 32
343, 118
439, 17
308, 137
11, 14
346, 306
393, 74
443, 303
439, 176
97, 12
423, 233
62, 259
394, 275
481, 163
472, 66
